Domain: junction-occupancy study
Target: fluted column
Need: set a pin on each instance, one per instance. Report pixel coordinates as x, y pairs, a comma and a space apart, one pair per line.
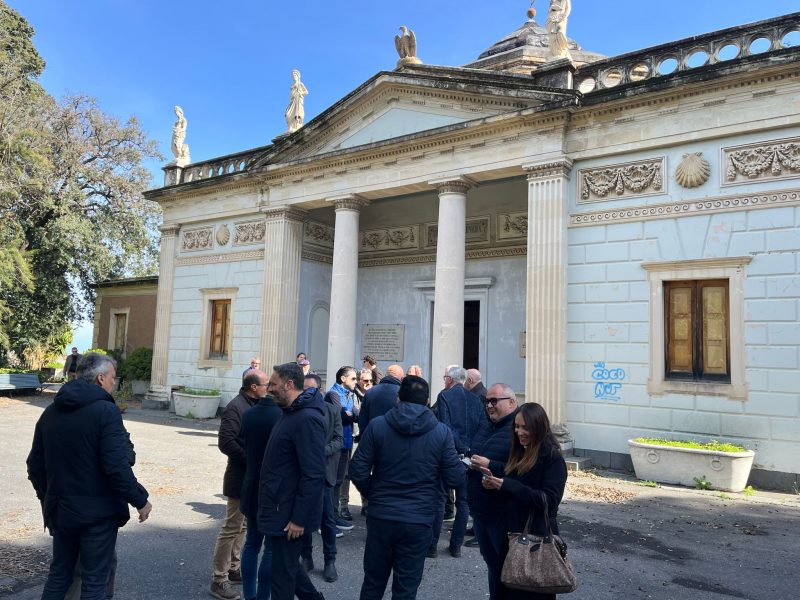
159, 392
283, 244
546, 301
447, 345
344, 285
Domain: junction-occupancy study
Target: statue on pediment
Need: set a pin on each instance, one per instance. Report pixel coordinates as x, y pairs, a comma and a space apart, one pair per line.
295, 112
557, 28
180, 150
406, 45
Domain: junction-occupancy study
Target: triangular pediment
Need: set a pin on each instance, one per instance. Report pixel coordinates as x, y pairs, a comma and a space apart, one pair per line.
396, 104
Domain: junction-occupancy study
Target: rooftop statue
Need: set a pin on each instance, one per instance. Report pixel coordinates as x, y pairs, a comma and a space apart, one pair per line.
295, 113
557, 28
179, 149
406, 45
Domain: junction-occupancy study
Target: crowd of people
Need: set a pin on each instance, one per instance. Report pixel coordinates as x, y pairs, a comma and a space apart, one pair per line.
473, 455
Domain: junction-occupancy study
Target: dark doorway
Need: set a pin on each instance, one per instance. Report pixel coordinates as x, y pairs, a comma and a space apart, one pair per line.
472, 328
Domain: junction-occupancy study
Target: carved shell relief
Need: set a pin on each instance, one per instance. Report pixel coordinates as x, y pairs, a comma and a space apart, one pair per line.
223, 234
693, 171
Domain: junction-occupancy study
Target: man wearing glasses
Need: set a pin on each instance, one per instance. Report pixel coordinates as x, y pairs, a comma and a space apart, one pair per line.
490, 450
228, 548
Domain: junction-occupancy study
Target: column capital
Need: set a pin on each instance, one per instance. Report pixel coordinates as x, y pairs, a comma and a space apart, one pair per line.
460, 184
170, 229
348, 202
283, 213
560, 167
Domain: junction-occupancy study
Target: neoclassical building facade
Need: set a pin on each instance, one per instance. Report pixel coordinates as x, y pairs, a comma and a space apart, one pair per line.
615, 238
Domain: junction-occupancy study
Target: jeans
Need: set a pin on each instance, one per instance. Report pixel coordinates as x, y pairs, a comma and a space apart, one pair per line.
327, 527
394, 546
255, 575
95, 545
228, 548
493, 541
287, 577
460, 523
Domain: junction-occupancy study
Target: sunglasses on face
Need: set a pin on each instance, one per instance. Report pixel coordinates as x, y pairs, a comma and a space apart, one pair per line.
494, 401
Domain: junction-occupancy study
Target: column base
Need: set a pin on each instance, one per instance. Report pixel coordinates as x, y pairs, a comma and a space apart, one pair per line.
564, 438
157, 398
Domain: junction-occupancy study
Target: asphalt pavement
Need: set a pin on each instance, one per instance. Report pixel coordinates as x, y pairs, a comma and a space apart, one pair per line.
626, 540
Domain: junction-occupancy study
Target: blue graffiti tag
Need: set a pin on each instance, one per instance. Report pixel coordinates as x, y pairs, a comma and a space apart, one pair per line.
608, 384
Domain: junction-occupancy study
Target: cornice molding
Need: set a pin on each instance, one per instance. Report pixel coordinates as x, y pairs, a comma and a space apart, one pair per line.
213, 259
690, 207
725, 262
561, 167
316, 257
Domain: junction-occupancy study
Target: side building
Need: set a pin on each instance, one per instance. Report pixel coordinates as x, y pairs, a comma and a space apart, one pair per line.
616, 238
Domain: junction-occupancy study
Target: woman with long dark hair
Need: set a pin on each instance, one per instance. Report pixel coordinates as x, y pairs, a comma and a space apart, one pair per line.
535, 473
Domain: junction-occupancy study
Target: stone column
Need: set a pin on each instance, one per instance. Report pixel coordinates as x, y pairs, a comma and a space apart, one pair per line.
344, 286
447, 343
283, 244
546, 300
159, 392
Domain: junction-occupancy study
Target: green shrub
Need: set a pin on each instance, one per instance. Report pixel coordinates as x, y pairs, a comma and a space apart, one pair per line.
198, 392
701, 483
712, 445
138, 364
95, 351
12, 371
54, 365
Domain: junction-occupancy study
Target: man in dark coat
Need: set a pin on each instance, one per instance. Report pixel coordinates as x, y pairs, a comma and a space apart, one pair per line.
490, 448
474, 384
381, 398
401, 465
79, 465
257, 425
71, 364
328, 529
292, 478
462, 411
228, 547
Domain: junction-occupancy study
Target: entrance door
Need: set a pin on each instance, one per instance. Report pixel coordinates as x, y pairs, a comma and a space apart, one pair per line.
472, 331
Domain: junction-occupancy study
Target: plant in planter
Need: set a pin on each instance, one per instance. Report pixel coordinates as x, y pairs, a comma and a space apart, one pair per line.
137, 369
200, 403
719, 465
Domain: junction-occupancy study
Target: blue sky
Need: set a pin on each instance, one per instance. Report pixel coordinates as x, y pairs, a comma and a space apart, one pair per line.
228, 64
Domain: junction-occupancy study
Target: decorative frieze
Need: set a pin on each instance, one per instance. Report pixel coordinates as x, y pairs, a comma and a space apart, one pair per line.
197, 239
416, 259
778, 159
318, 234
477, 232
248, 233
693, 207
212, 259
512, 225
317, 257
393, 238
638, 178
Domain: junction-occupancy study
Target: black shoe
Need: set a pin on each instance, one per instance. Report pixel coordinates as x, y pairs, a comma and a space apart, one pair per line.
345, 514
470, 531
473, 543
455, 551
432, 552
329, 574
235, 576
449, 517
308, 563
363, 511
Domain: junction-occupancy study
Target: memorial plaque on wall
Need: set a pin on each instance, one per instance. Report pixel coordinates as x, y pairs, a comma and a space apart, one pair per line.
384, 342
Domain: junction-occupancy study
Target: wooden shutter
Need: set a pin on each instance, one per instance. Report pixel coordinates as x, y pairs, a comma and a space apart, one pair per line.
220, 322
714, 336
679, 300
120, 326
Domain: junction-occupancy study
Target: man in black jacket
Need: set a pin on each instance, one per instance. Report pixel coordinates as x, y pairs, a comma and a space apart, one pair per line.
474, 384
381, 398
292, 478
404, 459
490, 448
79, 465
228, 548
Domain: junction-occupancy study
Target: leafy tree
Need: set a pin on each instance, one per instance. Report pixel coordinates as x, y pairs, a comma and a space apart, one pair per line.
71, 206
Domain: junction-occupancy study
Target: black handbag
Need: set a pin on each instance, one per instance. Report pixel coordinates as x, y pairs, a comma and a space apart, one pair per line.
538, 564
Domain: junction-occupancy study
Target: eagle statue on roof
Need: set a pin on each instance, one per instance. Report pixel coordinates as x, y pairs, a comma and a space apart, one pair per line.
406, 45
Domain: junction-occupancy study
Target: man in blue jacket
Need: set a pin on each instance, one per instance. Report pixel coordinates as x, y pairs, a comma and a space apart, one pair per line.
80, 468
402, 462
292, 479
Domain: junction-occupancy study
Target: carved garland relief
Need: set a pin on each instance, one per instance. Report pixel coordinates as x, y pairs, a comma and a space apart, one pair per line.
394, 238
318, 234
512, 225
639, 178
197, 239
248, 233
778, 159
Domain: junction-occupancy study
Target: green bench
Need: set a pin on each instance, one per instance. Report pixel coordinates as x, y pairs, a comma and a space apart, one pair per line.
16, 382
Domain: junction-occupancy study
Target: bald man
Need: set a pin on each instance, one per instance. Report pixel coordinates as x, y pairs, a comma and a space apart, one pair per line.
474, 384
381, 398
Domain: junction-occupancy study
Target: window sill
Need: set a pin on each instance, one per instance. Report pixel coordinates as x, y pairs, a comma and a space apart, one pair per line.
211, 363
698, 388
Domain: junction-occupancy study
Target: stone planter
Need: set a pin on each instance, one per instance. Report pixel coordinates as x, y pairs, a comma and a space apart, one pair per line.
139, 387
198, 407
726, 471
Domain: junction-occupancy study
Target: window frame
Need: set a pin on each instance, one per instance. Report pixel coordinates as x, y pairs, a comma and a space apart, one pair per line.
209, 296
730, 268
112, 328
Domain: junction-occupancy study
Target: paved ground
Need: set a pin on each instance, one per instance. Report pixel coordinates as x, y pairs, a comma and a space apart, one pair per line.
626, 540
